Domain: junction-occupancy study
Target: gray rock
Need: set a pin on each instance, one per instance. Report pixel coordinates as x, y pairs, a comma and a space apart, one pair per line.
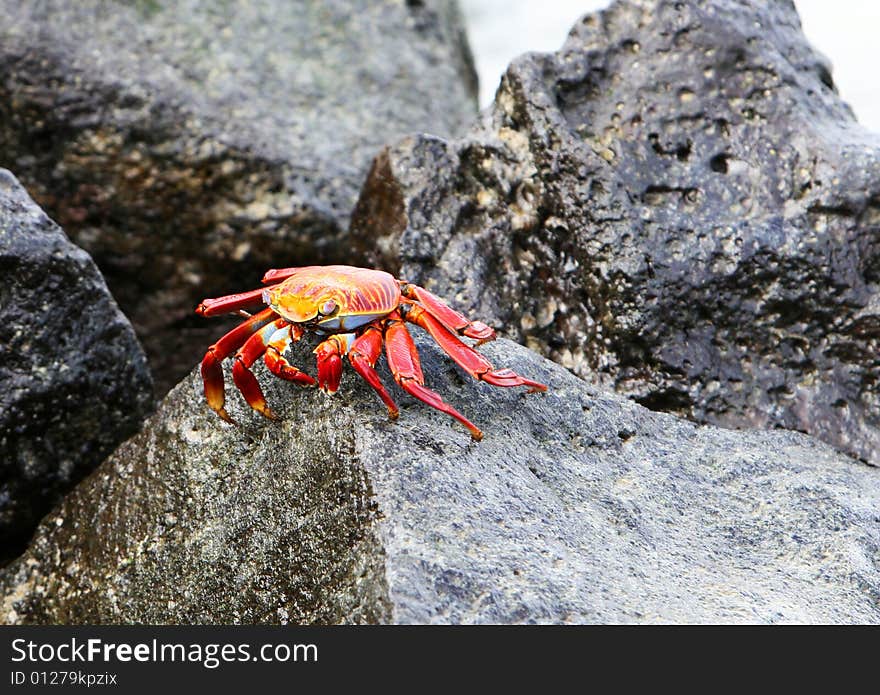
578, 506
676, 204
74, 381
189, 146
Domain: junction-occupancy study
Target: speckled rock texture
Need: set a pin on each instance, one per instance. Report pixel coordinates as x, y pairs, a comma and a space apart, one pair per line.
578, 506
190, 145
73, 379
676, 204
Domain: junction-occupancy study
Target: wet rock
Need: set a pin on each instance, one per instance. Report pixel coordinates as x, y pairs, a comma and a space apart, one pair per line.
578, 506
676, 204
73, 379
190, 146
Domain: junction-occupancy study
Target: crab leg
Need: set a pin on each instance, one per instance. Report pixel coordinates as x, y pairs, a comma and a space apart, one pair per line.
231, 303
274, 357
244, 378
403, 360
212, 370
466, 357
450, 318
329, 358
363, 355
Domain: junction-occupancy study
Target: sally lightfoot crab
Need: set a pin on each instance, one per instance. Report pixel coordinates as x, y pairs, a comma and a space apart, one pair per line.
355, 311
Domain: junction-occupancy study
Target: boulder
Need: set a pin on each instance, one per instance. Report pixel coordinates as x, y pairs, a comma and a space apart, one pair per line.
677, 204
74, 381
189, 146
578, 506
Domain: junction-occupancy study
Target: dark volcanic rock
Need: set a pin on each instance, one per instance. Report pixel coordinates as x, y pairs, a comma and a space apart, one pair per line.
678, 204
190, 146
73, 379
578, 506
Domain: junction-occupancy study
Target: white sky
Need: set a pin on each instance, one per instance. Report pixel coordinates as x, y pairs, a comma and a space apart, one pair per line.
846, 31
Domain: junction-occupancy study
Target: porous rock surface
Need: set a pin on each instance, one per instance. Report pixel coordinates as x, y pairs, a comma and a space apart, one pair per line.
676, 204
189, 146
578, 506
74, 381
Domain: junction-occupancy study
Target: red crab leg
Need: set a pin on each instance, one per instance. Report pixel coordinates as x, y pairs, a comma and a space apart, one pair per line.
244, 378
278, 274
274, 357
450, 318
466, 357
212, 370
403, 360
231, 303
330, 354
363, 355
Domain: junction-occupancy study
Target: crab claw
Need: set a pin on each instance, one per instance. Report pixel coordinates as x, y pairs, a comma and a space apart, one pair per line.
329, 373
329, 356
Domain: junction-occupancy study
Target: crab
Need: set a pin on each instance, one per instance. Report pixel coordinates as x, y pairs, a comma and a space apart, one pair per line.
354, 311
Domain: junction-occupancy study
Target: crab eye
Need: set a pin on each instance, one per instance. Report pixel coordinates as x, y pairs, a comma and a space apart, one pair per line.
327, 307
